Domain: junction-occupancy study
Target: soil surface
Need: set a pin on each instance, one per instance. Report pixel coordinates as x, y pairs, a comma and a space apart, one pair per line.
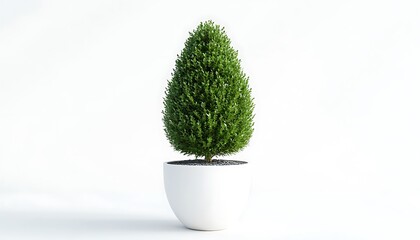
214, 162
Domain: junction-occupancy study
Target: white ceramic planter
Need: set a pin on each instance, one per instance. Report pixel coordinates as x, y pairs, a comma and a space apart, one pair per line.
207, 197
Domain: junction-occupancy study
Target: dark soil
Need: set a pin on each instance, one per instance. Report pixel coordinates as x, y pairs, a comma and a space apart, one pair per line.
200, 162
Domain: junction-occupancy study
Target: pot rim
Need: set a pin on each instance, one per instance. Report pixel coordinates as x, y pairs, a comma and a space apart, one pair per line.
244, 163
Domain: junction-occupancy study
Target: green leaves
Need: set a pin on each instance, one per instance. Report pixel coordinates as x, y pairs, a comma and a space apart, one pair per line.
208, 108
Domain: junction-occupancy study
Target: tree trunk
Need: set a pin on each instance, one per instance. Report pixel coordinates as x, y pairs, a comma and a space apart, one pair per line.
208, 158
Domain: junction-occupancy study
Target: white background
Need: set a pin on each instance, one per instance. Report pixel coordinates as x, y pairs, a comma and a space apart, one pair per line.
335, 152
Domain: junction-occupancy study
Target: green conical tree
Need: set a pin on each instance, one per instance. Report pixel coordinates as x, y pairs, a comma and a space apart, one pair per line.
208, 108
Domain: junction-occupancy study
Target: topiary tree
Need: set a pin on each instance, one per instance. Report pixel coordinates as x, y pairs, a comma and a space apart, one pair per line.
208, 108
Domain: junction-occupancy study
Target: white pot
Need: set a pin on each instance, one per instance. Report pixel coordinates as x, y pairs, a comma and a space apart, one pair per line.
207, 197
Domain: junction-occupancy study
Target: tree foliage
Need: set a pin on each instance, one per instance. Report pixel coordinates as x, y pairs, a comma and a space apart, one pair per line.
208, 108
